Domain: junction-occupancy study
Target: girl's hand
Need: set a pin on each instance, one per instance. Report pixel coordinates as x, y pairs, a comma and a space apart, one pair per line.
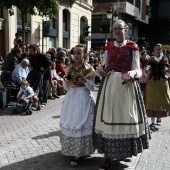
81, 80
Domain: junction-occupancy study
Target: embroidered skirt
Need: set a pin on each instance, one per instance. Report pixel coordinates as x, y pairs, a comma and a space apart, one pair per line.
76, 122
78, 147
121, 127
157, 98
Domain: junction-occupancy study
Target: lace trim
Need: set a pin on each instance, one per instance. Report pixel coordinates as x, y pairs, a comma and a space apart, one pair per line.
122, 136
82, 130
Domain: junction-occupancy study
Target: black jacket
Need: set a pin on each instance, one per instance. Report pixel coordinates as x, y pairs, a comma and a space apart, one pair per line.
10, 62
41, 60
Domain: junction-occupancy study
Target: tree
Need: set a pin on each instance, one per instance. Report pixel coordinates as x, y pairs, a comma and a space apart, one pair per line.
33, 7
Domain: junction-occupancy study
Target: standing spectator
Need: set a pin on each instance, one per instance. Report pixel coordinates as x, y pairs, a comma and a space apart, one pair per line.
41, 63
24, 53
53, 53
121, 128
17, 38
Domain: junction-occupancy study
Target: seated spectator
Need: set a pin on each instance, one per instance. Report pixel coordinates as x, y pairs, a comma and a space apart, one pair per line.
21, 71
60, 67
12, 60
67, 62
56, 84
25, 93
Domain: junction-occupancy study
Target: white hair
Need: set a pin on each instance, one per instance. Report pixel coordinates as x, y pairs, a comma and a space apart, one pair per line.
25, 61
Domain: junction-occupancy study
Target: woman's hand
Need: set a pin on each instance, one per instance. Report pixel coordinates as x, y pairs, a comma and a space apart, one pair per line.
131, 74
101, 71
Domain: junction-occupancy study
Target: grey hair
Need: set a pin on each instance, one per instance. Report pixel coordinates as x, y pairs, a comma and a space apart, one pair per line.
122, 22
25, 61
158, 45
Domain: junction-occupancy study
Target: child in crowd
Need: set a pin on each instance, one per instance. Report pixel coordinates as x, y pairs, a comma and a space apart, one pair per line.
56, 84
25, 93
143, 63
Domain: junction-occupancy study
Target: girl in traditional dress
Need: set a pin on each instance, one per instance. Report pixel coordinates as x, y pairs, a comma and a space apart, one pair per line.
121, 128
157, 89
77, 113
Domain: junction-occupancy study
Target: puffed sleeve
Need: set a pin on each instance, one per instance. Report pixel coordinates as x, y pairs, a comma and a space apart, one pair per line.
105, 59
90, 84
65, 85
136, 64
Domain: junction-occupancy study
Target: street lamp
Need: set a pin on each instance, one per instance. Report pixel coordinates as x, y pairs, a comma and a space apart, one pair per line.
112, 17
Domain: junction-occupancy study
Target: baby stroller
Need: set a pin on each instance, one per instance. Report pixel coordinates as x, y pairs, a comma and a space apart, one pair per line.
35, 81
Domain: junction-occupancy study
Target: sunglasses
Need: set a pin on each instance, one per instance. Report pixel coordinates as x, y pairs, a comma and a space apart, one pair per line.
119, 29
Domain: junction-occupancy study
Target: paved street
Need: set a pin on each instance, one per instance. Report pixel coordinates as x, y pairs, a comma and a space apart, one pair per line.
33, 143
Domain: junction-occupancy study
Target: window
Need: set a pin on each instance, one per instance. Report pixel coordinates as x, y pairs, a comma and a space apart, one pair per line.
19, 17
137, 4
97, 21
52, 23
65, 20
52, 42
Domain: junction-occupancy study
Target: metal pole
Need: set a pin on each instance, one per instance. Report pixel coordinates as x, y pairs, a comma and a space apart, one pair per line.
42, 36
112, 24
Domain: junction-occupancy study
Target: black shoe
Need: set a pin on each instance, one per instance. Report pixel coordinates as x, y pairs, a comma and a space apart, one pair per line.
55, 96
51, 97
75, 161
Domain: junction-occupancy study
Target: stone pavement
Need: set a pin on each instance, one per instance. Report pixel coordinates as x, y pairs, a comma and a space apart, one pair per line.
157, 157
33, 143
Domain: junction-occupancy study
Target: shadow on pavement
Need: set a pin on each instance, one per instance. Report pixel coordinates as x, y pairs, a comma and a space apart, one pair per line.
53, 161
50, 134
8, 111
56, 161
56, 117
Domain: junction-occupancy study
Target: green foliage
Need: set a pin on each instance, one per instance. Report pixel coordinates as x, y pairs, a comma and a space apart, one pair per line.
33, 7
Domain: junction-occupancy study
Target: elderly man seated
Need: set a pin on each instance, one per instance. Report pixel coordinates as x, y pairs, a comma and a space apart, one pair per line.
21, 71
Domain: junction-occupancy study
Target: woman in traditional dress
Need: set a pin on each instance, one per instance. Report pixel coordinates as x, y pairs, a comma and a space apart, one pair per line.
77, 113
121, 128
157, 89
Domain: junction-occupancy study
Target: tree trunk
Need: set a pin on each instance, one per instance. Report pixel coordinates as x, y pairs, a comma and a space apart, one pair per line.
23, 26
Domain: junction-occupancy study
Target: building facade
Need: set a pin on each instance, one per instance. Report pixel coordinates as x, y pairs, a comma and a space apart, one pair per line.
66, 30
133, 12
158, 30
